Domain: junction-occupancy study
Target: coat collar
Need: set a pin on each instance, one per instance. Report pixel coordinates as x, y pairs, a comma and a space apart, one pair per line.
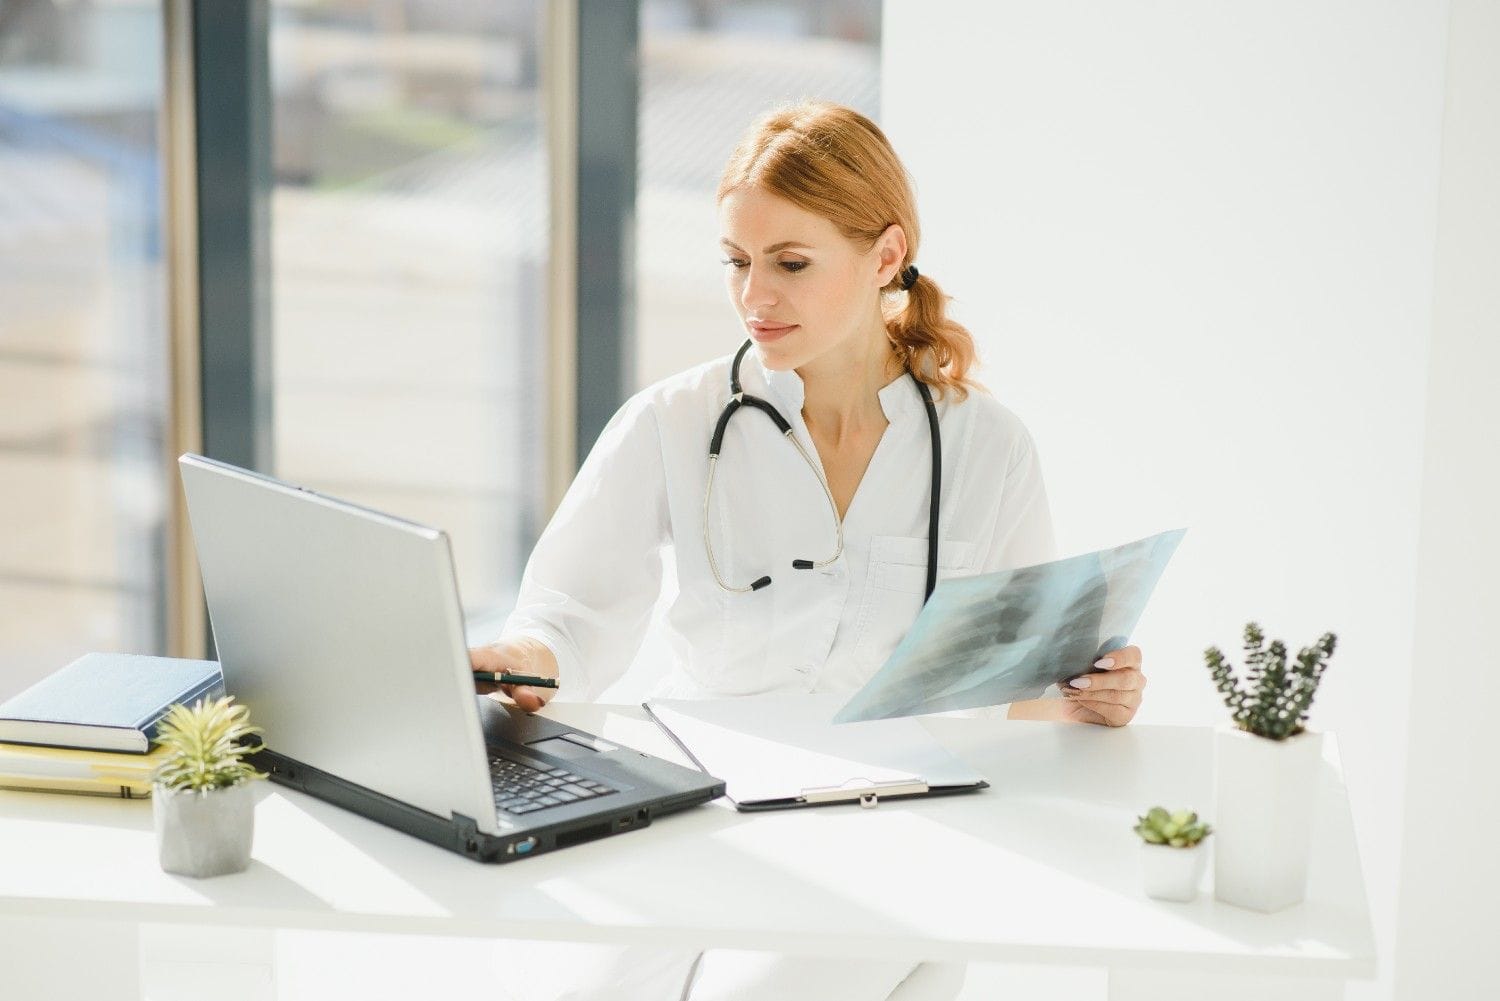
898, 398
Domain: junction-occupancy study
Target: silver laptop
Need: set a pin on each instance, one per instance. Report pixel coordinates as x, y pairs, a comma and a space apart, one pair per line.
341, 629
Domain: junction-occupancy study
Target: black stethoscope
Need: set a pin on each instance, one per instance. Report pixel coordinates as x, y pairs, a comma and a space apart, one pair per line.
739, 398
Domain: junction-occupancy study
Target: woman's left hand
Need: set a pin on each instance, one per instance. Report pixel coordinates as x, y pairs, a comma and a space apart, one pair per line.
1109, 697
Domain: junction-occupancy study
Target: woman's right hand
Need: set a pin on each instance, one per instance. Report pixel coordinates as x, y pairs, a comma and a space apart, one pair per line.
516, 655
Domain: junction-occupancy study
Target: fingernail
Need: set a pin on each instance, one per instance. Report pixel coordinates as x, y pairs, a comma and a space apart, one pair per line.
1079, 682
1106, 662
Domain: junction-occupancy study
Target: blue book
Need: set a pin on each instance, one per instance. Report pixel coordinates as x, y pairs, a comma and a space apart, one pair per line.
107, 701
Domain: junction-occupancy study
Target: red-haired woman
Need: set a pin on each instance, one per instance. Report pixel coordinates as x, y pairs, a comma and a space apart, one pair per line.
852, 348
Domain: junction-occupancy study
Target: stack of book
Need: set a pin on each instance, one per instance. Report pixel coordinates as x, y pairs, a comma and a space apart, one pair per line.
90, 726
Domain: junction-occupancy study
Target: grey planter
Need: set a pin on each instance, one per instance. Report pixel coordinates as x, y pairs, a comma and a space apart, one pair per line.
204, 833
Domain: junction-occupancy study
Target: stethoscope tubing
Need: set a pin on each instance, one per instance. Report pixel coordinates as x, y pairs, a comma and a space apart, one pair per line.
738, 399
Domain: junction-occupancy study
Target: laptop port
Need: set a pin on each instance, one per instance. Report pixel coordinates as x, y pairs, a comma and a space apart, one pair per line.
582, 834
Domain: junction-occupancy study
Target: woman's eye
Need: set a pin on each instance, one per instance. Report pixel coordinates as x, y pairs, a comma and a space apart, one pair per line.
735, 261
794, 266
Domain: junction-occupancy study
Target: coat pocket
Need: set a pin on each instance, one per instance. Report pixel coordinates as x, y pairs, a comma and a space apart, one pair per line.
895, 584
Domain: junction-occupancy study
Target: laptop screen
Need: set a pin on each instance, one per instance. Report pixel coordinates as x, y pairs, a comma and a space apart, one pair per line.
341, 629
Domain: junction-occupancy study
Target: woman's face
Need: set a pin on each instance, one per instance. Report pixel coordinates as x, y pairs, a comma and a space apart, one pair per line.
801, 288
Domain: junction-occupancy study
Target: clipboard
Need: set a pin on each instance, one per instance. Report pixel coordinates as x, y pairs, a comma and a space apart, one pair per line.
782, 751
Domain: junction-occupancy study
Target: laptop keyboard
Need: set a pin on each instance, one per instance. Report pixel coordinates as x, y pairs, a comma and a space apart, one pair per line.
521, 788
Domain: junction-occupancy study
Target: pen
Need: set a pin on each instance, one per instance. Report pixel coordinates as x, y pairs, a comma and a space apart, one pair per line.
515, 679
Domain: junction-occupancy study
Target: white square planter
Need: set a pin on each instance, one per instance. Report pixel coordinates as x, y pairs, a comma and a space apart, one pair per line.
1169, 873
1265, 797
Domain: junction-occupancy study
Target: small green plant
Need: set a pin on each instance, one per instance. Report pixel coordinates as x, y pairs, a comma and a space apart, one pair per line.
207, 746
1182, 829
1274, 701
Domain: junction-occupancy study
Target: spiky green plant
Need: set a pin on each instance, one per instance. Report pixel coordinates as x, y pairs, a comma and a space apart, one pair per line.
1274, 701
1181, 829
207, 746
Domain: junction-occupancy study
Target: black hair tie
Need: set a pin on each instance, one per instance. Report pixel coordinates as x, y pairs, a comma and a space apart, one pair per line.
909, 276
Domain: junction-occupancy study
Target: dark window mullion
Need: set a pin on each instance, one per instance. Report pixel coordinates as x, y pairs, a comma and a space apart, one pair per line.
608, 108
231, 76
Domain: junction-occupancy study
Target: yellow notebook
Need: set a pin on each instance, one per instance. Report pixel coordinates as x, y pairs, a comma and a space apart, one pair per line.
62, 763
121, 788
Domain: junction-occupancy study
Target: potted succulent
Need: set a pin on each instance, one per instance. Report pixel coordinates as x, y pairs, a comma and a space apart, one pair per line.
201, 794
1266, 766
1172, 853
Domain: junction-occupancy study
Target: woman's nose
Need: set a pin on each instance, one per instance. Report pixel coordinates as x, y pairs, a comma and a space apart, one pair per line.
759, 290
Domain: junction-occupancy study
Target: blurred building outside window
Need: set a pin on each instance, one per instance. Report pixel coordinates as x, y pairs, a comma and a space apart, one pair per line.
409, 240
83, 334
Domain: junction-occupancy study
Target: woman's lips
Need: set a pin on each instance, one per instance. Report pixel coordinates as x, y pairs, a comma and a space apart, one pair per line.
763, 332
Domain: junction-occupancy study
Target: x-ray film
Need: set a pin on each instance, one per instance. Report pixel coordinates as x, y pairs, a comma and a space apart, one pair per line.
1004, 637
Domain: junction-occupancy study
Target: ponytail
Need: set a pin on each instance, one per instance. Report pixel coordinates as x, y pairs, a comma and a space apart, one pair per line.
938, 350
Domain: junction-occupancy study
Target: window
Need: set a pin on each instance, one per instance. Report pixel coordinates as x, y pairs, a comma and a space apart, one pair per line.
409, 241
82, 335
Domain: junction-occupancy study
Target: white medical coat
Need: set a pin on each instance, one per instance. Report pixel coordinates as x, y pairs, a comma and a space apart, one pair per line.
591, 582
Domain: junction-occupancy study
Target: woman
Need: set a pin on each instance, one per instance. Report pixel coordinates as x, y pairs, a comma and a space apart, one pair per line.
847, 342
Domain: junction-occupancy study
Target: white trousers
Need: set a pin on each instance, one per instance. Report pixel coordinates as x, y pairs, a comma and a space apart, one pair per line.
570, 971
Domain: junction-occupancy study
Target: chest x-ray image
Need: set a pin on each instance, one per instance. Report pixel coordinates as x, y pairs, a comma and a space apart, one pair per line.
1003, 637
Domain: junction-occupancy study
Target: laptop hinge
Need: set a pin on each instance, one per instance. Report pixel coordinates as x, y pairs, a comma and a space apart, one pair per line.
468, 834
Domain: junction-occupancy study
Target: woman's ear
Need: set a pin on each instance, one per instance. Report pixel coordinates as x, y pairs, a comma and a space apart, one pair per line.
890, 248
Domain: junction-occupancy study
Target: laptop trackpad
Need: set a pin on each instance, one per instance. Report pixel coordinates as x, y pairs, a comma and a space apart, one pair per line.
572, 745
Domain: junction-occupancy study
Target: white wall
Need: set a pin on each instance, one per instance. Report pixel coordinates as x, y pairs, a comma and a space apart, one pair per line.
1450, 870
1195, 243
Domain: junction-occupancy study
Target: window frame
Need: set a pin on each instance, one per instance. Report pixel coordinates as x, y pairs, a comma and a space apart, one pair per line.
218, 181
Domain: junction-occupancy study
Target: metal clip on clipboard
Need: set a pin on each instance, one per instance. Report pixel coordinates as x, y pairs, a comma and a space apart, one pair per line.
868, 793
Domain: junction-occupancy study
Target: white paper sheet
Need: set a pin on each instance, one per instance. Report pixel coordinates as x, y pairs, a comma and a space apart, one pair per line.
774, 747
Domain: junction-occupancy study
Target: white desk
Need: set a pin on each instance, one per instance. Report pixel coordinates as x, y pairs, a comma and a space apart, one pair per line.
1040, 868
